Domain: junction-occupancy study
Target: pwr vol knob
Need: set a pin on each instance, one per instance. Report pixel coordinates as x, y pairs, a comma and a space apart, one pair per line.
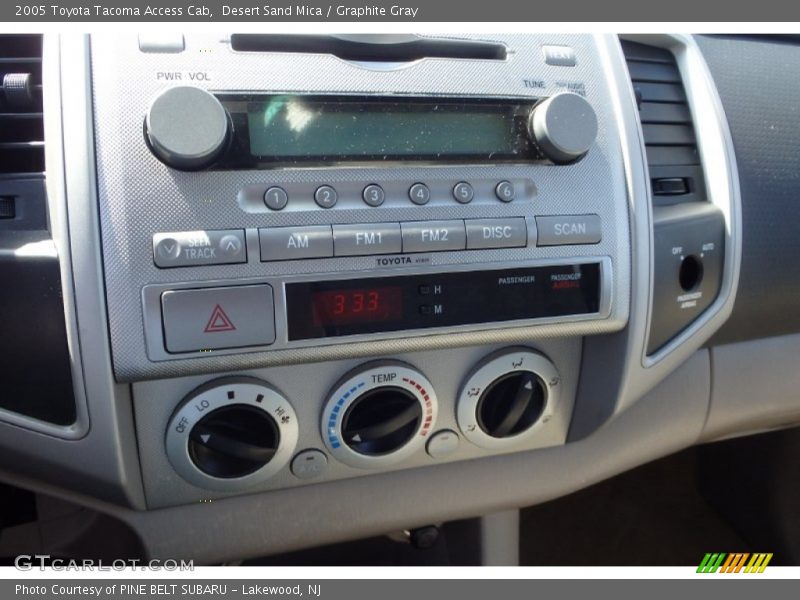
378, 415
231, 433
186, 128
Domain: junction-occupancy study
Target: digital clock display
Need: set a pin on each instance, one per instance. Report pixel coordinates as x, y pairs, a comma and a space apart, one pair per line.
351, 306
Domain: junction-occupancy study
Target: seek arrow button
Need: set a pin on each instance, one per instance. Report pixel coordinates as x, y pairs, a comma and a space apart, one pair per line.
197, 248
230, 245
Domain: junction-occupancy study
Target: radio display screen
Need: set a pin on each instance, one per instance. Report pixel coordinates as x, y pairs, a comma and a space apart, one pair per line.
350, 306
334, 308
291, 129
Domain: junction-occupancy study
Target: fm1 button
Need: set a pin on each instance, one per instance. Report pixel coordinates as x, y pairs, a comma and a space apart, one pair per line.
309, 464
442, 443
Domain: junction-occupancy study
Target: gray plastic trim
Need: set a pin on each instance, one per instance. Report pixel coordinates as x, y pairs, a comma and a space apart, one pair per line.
57, 213
100, 454
755, 387
610, 385
722, 187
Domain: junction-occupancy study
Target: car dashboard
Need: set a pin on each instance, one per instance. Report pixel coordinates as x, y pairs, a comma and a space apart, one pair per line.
266, 292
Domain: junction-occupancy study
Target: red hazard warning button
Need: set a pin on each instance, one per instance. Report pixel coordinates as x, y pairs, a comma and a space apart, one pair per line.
217, 318
219, 321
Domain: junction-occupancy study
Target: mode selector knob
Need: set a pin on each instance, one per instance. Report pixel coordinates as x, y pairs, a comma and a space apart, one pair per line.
564, 127
187, 128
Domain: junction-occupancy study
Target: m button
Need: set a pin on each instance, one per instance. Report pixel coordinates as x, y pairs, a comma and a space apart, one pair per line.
217, 318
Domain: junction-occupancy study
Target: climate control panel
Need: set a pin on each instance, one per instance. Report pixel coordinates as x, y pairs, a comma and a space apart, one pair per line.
240, 433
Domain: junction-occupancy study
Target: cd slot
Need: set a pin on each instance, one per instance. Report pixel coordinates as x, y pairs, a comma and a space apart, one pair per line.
369, 48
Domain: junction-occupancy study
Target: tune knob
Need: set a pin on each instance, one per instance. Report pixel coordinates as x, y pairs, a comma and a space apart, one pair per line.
186, 128
507, 398
378, 415
231, 433
564, 127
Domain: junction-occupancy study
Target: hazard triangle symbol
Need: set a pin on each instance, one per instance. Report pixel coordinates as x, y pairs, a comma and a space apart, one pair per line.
219, 321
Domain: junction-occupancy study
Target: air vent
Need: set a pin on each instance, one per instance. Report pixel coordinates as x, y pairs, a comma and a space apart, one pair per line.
676, 174
21, 123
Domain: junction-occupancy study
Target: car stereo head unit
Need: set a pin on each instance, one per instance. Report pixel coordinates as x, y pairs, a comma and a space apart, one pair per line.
286, 199
189, 128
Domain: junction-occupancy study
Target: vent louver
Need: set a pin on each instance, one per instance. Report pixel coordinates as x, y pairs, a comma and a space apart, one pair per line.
21, 123
676, 174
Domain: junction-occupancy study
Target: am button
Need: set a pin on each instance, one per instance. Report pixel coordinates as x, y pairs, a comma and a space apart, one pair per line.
292, 243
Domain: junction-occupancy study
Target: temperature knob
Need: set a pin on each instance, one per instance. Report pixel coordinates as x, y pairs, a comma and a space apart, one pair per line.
186, 128
564, 127
378, 415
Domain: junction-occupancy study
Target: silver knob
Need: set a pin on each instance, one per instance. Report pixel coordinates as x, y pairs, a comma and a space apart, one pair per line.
187, 128
564, 127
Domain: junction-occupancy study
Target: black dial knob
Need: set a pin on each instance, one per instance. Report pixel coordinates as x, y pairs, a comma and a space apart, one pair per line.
233, 441
564, 127
381, 420
511, 404
187, 128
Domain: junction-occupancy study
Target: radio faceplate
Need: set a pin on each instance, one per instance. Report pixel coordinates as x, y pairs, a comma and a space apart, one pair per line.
142, 199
